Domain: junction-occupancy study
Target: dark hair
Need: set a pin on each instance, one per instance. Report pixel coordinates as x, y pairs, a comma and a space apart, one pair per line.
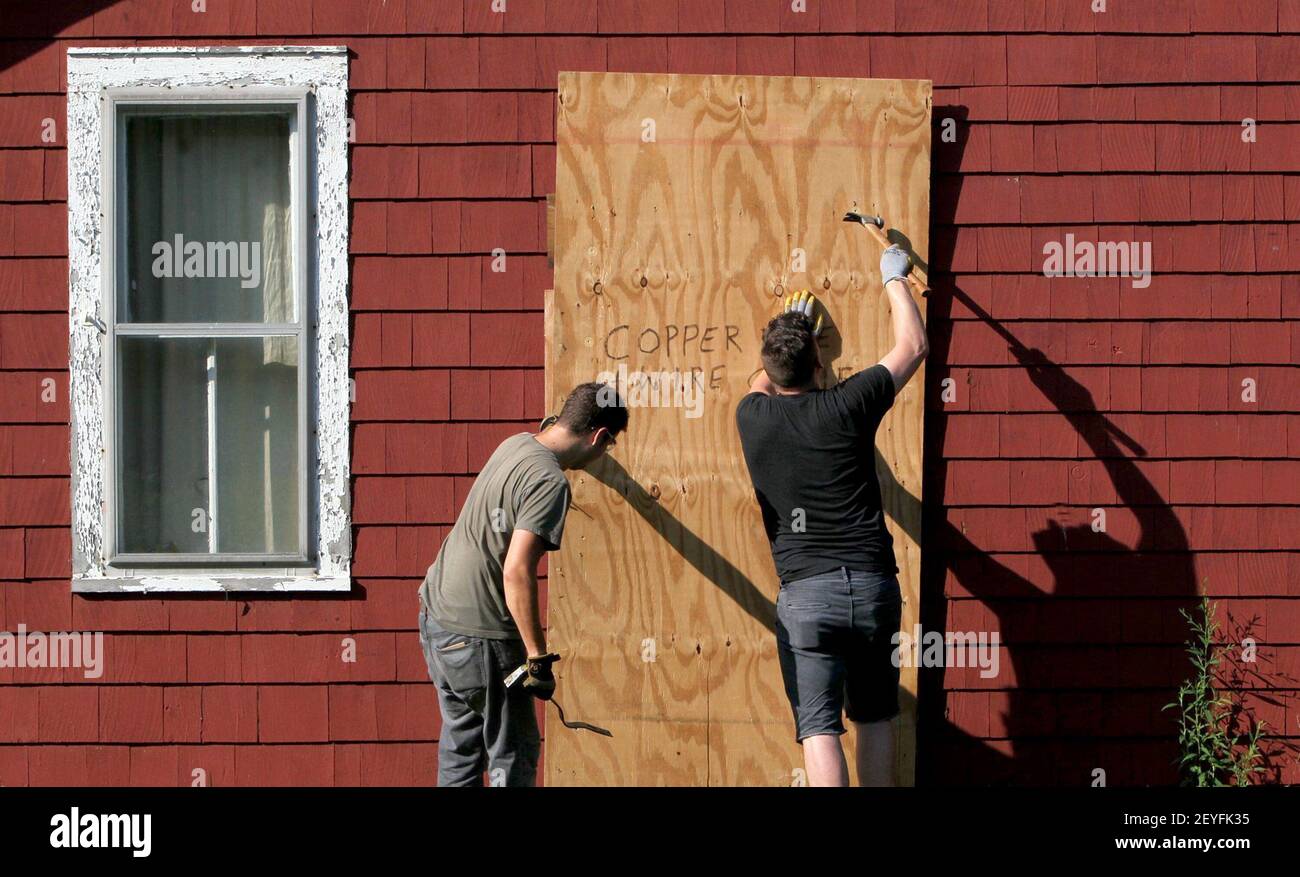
592, 406
789, 350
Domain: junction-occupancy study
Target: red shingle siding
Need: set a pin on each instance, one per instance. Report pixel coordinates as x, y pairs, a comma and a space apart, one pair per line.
1124, 125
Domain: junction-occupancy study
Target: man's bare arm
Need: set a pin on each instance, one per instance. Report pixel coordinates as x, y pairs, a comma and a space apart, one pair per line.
910, 343
520, 579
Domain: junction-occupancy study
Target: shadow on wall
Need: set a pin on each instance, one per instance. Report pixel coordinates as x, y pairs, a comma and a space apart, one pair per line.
40, 22
1109, 716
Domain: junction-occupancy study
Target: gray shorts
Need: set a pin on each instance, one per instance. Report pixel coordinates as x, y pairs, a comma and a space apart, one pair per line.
485, 726
834, 638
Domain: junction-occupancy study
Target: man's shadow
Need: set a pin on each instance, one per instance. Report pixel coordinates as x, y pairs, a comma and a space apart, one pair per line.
694, 550
1046, 728
1054, 724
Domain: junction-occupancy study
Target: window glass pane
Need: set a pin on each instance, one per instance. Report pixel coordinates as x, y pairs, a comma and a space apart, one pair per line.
164, 500
257, 445
208, 218
163, 445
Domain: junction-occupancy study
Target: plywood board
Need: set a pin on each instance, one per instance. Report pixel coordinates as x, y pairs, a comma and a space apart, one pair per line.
682, 204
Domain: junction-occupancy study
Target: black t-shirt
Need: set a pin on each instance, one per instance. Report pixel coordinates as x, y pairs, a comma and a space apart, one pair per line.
812, 460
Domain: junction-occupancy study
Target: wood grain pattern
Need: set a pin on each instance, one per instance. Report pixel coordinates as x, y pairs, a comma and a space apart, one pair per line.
680, 204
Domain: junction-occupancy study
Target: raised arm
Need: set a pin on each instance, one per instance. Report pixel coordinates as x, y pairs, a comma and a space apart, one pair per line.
910, 343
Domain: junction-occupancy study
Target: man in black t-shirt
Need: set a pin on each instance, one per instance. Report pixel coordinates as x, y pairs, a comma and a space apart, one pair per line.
811, 456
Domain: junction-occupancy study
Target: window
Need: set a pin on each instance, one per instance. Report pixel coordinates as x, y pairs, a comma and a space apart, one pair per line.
208, 260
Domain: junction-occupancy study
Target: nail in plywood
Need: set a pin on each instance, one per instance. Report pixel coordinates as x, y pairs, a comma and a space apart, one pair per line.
685, 207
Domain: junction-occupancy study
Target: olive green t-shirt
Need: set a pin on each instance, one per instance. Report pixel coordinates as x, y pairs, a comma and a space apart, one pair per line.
521, 487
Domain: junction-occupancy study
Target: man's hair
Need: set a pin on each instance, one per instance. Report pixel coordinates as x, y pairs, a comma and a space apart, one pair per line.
789, 350
591, 406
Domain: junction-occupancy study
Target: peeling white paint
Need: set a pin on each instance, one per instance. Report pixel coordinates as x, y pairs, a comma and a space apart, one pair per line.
207, 583
198, 72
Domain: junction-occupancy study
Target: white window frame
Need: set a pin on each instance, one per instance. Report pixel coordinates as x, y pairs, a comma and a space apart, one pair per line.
315, 79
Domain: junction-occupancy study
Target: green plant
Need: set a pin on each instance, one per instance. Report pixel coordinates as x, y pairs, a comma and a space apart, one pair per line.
1211, 753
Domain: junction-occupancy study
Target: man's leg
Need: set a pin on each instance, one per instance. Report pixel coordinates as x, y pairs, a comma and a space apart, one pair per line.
460, 745
875, 755
455, 665
872, 676
823, 759
514, 743
812, 614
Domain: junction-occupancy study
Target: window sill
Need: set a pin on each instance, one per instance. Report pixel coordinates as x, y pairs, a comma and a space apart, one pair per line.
209, 583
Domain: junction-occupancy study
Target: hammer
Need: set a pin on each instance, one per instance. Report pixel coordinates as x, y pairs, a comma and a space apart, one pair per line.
876, 225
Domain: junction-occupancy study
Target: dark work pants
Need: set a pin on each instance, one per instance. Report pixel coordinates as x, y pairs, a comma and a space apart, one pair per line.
484, 725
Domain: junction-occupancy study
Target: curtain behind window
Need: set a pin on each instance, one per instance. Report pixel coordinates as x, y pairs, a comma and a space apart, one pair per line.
215, 179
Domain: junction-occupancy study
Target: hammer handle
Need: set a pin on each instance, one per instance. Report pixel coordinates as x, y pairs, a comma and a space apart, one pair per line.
914, 277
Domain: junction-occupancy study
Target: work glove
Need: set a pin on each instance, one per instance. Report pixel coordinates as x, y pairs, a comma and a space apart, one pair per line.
804, 302
540, 679
895, 264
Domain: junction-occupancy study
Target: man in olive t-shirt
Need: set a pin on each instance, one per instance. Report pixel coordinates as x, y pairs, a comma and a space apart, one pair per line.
479, 616
521, 487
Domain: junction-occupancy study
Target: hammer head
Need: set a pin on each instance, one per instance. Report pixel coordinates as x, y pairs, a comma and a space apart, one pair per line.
877, 221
